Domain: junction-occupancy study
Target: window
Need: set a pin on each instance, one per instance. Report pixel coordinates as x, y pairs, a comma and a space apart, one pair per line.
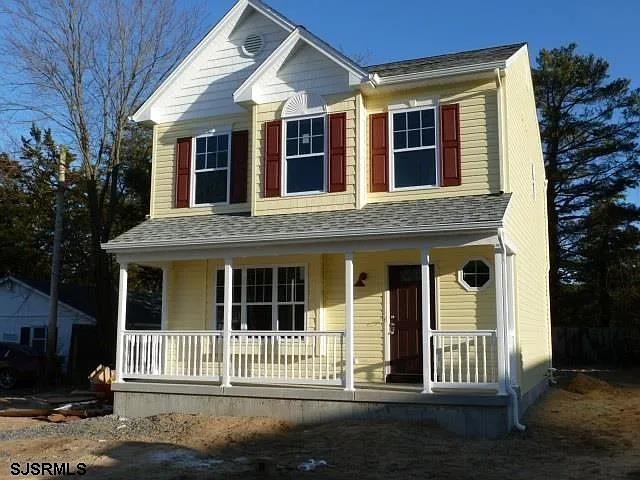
305, 168
414, 149
475, 275
34, 337
265, 298
211, 171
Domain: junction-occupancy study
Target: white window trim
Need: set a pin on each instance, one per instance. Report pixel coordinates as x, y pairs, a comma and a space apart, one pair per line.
436, 147
325, 169
192, 193
274, 297
468, 287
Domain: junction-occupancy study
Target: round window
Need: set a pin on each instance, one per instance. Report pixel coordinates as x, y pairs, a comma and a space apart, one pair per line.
476, 274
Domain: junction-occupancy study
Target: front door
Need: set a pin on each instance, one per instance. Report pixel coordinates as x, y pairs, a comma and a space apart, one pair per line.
405, 324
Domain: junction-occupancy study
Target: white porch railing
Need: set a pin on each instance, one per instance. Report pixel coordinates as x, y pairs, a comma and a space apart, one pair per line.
255, 357
461, 359
465, 359
287, 357
172, 355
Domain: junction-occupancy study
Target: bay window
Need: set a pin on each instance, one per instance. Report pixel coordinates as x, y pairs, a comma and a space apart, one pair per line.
264, 298
305, 160
413, 152
211, 169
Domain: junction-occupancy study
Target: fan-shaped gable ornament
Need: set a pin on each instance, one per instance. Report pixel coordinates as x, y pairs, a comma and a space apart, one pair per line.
304, 104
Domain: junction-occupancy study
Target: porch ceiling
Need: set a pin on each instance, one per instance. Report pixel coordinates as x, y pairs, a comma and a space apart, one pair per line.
393, 219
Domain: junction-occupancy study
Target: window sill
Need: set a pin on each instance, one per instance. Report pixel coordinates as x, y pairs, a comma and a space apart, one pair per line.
413, 189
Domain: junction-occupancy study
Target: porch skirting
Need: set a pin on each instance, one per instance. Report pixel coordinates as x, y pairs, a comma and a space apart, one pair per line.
484, 416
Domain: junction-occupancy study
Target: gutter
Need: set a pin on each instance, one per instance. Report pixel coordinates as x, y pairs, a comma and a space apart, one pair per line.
252, 240
502, 130
505, 342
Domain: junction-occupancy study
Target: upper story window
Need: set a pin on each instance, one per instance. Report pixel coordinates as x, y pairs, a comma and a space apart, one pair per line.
211, 170
305, 160
413, 153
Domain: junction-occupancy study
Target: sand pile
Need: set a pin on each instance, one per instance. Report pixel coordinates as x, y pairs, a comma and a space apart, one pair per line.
584, 384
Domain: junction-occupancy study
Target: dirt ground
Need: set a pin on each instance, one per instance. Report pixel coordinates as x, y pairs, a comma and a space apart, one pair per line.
583, 428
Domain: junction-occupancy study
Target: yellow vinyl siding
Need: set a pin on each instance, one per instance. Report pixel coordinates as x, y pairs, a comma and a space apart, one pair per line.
478, 135
303, 203
187, 295
164, 164
459, 309
526, 224
191, 296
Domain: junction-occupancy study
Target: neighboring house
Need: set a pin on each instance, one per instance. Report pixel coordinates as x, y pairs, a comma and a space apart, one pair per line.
24, 313
327, 230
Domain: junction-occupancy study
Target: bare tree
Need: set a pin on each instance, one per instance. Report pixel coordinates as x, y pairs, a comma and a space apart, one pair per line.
85, 66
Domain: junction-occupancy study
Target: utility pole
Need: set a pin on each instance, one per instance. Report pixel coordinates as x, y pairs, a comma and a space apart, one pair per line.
52, 328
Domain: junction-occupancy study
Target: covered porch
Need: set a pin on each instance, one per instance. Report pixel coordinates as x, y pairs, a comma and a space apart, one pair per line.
343, 301
367, 319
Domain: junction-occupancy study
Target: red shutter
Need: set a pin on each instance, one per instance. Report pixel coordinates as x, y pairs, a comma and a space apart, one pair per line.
273, 158
183, 172
379, 152
450, 145
338, 152
239, 166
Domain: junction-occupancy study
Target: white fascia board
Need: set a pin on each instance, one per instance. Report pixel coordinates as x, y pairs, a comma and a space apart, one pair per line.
146, 112
247, 92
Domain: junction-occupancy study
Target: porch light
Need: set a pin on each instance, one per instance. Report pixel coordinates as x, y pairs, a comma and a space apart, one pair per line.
361, 279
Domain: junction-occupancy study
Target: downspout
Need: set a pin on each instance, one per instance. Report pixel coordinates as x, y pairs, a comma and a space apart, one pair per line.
515, 407
502, 151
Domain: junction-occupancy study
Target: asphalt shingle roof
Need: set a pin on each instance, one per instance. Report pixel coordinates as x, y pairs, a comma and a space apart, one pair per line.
471, 57
393, 218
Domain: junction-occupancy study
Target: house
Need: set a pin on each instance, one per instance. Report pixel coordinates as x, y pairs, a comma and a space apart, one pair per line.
340, 241
24, 314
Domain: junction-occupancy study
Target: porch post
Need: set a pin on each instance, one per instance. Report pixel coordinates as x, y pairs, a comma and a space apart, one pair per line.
426, 321
348, 319
164, 317
122, 319
226, 332
500, 319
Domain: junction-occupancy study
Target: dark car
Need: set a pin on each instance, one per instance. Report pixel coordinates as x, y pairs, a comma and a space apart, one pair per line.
18, 363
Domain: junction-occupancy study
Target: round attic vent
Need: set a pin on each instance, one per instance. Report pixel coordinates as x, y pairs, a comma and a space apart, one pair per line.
252, 44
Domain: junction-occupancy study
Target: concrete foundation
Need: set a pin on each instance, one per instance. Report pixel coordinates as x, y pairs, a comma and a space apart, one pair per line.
469, 416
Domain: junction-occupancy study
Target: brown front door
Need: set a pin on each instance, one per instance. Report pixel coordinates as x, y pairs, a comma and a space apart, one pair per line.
406, 322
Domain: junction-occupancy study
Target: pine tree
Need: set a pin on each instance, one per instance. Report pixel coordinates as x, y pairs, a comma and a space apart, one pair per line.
590, 126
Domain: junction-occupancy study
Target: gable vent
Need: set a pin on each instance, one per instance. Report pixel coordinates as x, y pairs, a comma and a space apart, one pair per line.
252, 44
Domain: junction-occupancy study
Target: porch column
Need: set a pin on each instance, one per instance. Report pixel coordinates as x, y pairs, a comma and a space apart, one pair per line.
348, 320
122, 319
426, 321
164, 317
226, 332
500, 319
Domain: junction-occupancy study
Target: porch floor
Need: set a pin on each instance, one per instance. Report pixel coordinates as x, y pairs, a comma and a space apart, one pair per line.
364, 392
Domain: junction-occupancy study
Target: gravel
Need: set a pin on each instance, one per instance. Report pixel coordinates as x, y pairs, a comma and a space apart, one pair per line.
109, 427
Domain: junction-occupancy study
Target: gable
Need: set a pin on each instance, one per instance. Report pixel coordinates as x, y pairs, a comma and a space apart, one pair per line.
205, 83
305, 69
